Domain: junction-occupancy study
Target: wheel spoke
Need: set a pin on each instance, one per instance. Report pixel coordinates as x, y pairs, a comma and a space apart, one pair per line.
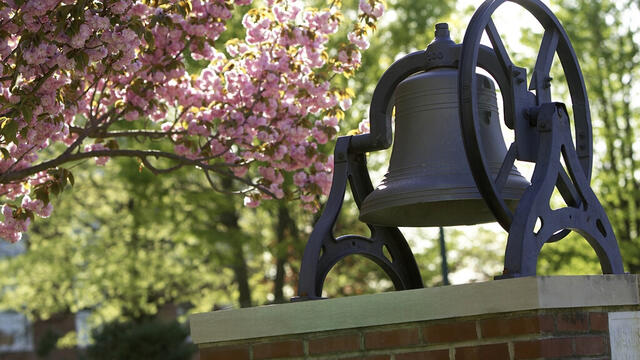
540, 80
498, 47
505, 169
567, 189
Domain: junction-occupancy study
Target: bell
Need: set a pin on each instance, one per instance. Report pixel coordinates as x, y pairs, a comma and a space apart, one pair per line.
429, 182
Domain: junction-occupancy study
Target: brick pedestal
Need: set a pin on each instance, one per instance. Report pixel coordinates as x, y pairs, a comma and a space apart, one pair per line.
527, 318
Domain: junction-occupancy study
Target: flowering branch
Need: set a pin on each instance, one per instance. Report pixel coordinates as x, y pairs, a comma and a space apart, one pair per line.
253, 109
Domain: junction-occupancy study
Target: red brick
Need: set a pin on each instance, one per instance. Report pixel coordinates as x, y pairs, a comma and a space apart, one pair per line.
543, 348
225, 353
280, 349
547, 324
492, 351
599, 321
391, 338
516, 326
573, 322
591, 345
425, 355
333, 344
451, 332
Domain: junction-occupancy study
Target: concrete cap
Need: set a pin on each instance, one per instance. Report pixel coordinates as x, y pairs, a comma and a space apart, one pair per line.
493, 297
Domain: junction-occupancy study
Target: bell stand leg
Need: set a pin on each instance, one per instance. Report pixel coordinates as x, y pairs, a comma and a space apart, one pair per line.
323, 250
587, 216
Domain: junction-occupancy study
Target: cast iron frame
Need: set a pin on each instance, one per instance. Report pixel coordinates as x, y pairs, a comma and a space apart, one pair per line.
543, 136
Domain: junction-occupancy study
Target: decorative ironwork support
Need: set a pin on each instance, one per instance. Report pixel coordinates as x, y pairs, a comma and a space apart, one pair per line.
324, 250
586, 216
542, 136
542, 132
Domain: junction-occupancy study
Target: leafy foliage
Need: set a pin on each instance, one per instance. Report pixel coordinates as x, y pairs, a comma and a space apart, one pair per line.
153, 340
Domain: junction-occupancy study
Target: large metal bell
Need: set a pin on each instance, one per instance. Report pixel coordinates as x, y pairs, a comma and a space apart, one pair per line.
429, 182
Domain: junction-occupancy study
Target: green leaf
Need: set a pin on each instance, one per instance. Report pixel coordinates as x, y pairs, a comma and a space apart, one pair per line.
82, 60
137, 27
5, 153
55, 188
42, 194
9, 130
27, 112
63, 181
72, 180
63, 11
148, 37
112, 144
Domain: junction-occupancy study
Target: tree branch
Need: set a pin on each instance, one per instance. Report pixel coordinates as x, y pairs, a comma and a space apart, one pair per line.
143, 155
152, 134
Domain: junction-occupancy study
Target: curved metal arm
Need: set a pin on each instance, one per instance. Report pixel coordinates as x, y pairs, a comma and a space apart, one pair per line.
380, 136
323, 250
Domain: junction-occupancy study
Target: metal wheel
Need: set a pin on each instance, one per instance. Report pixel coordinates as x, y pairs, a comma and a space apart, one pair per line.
521, 103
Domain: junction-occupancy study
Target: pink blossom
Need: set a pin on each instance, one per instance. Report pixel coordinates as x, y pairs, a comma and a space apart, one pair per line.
37, 206
300, 179
358, 40
131, 115
251, 201
363, 126
140, 9
277, 191
375, 11
307, 198
260, 107
319, 135
239, 171
182, 150
100, 160
345, 103
120, 7
11, 229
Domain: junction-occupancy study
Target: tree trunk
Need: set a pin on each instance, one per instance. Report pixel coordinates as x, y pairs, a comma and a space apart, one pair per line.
229, 218
241, 275
286, 231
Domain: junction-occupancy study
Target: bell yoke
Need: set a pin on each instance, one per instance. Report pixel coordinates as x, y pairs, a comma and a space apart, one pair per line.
450, 164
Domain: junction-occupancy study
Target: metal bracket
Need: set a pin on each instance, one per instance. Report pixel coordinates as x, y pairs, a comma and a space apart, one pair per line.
584, 213
323, 250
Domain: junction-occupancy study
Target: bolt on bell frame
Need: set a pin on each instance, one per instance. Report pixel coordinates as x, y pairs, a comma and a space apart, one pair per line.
542, 136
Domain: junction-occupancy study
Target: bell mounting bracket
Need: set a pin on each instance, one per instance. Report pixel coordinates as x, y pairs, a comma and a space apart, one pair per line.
324, 250
543, 136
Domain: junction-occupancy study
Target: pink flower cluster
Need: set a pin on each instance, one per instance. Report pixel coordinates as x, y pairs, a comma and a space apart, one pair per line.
261, 106
11, 228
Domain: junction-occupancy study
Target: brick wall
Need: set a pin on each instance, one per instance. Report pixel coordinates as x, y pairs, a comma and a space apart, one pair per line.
543, 334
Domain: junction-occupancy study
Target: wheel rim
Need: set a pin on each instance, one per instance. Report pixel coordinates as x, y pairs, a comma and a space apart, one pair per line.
555, 41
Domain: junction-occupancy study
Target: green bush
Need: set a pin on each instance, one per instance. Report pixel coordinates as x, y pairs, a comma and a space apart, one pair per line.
153, 340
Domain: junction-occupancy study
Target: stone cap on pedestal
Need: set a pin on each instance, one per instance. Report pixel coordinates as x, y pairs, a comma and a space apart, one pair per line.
493, 297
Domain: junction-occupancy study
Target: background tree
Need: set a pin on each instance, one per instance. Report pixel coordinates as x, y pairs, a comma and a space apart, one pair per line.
204, 248
138, 221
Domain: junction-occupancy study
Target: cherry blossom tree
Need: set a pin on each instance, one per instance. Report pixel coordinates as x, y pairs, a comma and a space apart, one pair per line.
96, 79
